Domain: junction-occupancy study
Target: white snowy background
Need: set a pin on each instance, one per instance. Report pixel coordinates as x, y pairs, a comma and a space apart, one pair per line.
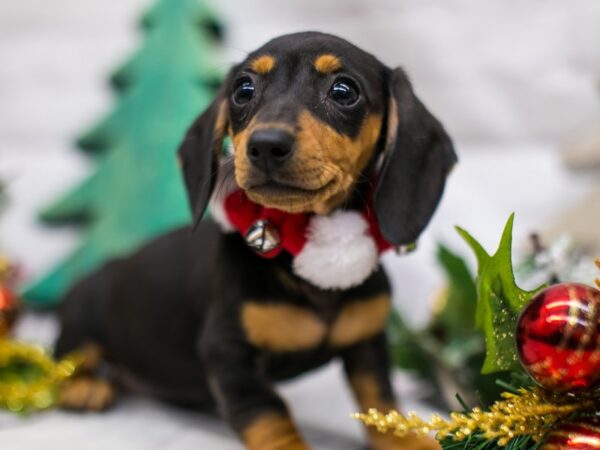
513, 82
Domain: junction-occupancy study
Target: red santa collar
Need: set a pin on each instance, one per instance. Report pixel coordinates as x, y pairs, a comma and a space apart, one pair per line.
335, 251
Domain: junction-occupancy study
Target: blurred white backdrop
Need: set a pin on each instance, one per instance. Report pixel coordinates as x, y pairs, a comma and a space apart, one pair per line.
513, 82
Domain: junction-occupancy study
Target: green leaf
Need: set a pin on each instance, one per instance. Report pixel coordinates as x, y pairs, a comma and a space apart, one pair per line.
499, 301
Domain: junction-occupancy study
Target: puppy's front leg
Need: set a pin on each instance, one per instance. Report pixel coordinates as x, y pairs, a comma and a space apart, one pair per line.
367, 367
245, 398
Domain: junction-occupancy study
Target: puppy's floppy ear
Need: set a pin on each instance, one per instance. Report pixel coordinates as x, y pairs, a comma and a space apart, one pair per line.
199, 154
418, 157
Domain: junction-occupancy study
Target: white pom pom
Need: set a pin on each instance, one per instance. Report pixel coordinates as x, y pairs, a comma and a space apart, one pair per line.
339, 252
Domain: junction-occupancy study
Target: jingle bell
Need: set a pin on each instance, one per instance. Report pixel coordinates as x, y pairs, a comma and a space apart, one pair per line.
262, 237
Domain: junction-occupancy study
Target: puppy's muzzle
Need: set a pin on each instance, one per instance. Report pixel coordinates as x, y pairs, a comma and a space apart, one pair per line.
269, 148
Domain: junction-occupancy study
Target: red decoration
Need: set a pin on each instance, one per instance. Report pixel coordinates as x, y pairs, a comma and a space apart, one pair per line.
243, 214
9, 307
558, 337
574, 435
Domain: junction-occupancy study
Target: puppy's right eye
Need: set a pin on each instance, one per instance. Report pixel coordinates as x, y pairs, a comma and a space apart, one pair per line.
244, 91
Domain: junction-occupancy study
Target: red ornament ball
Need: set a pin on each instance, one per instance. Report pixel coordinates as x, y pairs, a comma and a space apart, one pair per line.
558, 337
9, 308
582, 434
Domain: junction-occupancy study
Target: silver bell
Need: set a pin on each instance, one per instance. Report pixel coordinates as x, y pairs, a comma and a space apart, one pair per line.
262, 237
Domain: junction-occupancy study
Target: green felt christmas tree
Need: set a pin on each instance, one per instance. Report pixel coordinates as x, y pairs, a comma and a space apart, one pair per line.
136, 191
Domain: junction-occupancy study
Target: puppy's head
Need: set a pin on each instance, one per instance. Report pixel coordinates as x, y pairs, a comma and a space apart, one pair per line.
310, 116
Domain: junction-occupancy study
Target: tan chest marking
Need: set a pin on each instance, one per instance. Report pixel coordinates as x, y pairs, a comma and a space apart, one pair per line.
289, 328
360, 320
281, 327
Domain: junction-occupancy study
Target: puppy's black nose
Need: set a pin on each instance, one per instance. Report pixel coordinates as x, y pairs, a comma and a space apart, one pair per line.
269, 148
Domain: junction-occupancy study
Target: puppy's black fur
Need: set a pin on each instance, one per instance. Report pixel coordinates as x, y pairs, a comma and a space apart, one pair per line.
169, 318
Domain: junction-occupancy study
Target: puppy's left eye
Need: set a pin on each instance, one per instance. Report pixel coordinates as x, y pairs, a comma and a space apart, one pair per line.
344, 92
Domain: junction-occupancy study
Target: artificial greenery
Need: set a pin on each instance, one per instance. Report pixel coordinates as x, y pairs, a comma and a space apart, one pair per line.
478, 442
524, 414
448, 353
472, 326
499, 303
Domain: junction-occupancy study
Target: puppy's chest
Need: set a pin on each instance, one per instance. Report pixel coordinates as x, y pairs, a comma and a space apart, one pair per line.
285, 327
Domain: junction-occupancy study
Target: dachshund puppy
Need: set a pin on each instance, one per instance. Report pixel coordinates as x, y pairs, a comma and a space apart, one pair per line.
329, 145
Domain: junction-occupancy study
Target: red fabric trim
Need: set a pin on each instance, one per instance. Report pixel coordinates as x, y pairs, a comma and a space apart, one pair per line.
374, 230
243, 212
368, 213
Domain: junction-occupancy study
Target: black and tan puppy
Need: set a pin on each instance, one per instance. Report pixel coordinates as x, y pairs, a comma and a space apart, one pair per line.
199, 318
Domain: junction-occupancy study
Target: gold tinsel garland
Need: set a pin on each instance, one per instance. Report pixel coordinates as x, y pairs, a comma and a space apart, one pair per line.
530, 412
17, 392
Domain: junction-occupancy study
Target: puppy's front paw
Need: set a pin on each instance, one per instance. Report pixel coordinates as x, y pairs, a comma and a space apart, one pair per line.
391, 442
87, 394
273, 432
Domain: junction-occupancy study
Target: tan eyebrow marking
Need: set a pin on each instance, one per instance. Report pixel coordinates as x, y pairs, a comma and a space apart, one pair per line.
263, 64
327, 63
